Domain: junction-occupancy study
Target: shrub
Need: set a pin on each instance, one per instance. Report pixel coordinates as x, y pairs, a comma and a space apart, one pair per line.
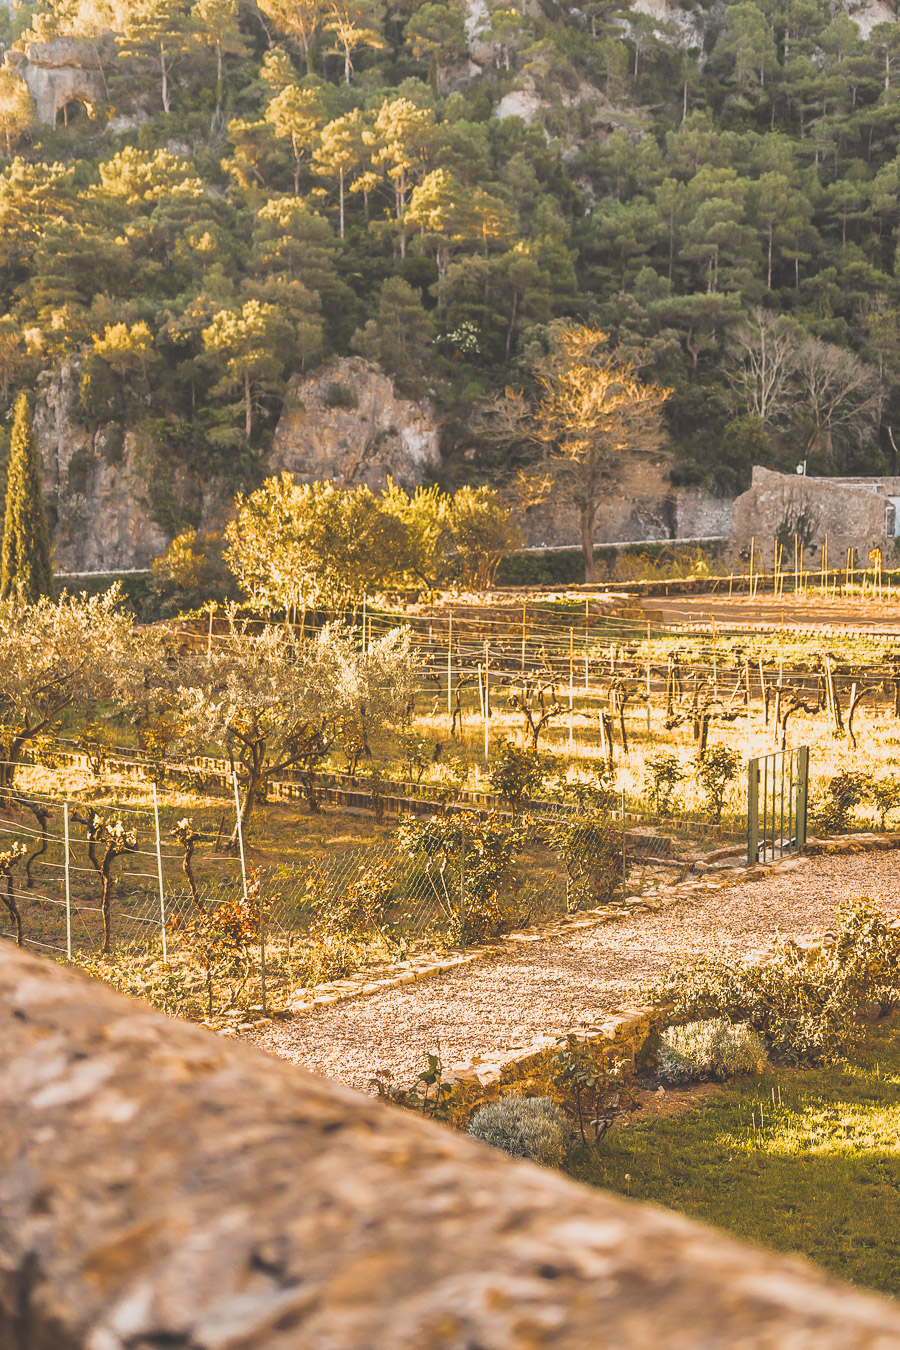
716, 772
518, 774
468, 863
591, 852
806, 1005
713, 1049
663, 775
886, 797
526, 1127
593, 1089
339, 395
842, 793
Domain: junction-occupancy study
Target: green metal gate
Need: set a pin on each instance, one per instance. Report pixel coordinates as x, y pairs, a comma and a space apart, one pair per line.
777, 788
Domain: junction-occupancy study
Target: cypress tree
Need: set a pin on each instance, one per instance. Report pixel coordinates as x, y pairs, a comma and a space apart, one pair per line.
25, 571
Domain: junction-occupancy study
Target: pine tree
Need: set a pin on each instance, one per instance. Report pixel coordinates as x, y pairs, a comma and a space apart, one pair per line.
25, 571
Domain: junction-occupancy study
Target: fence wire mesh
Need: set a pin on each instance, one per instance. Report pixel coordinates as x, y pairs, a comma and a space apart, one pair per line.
76, 876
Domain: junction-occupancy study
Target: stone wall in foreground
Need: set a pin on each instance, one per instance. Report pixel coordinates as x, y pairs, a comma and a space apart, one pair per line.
160, 1186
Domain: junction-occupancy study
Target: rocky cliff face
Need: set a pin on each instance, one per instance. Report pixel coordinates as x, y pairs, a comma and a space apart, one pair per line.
94, 485
113, 503
108, 493
62, 71
347, 423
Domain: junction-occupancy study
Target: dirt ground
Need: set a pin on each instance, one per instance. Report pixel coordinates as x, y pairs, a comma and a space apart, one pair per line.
740, 611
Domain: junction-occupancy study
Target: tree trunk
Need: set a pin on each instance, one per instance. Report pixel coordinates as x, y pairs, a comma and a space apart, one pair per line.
10, 901
248, 405
769, 276
165, 78
588, 516
341, 190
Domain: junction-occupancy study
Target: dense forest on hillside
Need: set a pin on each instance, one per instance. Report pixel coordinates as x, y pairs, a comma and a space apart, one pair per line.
267, 186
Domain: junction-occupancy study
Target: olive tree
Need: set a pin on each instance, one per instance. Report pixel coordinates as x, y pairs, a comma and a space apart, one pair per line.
273, 703
75, 653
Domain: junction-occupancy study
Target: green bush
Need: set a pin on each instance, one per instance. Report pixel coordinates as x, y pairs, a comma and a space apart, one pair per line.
843, 792
663, 774
713, 1049
591, 852
885, 795
716, 772
468, 866
518, 774
526, 1127
808, 1006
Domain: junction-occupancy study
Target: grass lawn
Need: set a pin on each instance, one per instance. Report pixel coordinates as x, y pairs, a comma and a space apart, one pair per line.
821, 1177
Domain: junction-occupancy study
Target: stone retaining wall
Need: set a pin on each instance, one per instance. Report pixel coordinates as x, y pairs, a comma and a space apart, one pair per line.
162, 1186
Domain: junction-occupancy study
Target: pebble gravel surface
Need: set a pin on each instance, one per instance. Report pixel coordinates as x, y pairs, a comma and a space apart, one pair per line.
536, 986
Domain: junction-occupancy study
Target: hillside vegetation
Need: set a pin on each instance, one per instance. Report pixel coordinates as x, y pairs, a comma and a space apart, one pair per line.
263, 188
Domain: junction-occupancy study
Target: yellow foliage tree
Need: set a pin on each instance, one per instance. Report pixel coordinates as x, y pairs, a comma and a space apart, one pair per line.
591, 410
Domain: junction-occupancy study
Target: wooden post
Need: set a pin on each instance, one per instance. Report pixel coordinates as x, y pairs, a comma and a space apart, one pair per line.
450, 668
209, 635
571, 688
524, 609
365, 626
796, 567
240, 835
752, 547
68, 883
747, 688
487, 703
162, 895
715, 663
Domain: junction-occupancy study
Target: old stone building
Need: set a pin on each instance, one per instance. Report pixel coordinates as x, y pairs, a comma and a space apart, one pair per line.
853, 513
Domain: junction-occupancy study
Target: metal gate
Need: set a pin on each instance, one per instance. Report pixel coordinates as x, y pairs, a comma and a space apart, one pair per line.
777, 787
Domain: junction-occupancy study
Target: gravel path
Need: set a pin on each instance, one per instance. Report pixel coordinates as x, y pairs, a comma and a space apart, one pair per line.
534, 987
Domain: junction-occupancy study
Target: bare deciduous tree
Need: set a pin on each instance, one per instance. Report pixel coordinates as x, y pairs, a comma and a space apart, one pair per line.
843, 394
763, 351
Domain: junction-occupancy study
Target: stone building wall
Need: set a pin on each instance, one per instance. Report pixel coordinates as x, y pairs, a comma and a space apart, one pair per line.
854, 513
641, 504
162, 1186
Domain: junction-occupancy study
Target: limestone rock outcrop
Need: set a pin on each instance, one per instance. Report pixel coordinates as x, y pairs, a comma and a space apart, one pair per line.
62, 71
347, 423
94, 485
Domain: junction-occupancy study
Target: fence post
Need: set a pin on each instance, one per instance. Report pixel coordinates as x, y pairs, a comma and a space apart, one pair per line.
487, 705
68, 884
462, 883
624, 874
571, 685
752, 811
162, 894
802, 793
262, 930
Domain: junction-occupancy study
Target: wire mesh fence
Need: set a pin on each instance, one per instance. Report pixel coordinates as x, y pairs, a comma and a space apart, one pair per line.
79, 877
